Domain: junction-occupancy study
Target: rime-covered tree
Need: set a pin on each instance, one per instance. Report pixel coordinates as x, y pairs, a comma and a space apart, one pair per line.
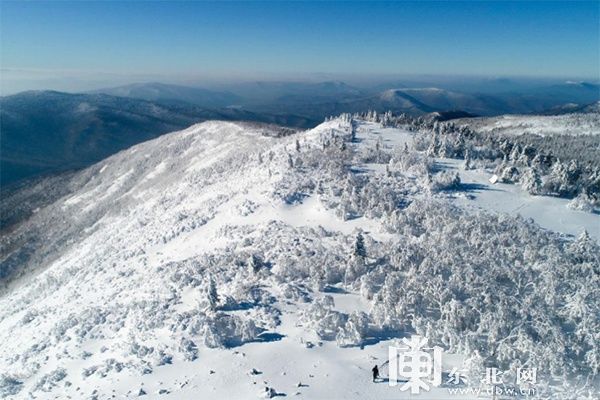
467, 165
212, 297
531, 181
509, 174
255, 263
354, 331
359, 249
558, 181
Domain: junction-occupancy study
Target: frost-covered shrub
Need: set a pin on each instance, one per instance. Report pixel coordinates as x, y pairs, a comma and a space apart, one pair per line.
187, 274
329, 325
28, 317
189, 349
89, 371
355, 268
9, 385
306, 255
296, 190
102, 370
411, 162
354, 332
445, 180
50, 380
295, 292
474, 367
243, 293
374, 154
161, 357
139, 350
582, 202
224, 330
323, 319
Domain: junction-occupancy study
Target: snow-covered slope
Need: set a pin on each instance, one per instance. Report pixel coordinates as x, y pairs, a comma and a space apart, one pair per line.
230, 257
567, 124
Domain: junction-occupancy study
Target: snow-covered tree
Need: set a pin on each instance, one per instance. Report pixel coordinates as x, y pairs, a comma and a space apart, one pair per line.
255, 263
445, 180
509, 174
558, 180
531, 181
211, 295
582, 202
354, 331
467, 164
359, 249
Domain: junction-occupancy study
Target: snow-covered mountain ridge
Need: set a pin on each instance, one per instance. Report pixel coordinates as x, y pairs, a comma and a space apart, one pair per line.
232, 246
544, 125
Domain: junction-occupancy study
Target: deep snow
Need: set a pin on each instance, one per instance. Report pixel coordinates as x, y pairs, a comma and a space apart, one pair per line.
149, 209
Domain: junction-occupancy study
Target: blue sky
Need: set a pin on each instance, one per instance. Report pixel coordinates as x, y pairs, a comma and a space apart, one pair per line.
87, 40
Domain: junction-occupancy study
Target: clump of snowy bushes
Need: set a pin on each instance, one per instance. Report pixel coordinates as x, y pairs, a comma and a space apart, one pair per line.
9, 385
564, 166
355, 330
445, 180
582, 202
223, 330
554, 165
323, 319
50, 380
411, 162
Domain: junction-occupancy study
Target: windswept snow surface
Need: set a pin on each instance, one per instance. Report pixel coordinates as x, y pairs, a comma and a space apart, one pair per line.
199, 264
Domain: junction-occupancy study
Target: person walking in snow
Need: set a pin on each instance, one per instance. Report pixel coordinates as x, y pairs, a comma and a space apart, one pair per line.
375, 373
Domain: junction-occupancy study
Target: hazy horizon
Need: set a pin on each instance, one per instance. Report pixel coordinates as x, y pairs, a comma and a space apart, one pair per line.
76, 46
73, 84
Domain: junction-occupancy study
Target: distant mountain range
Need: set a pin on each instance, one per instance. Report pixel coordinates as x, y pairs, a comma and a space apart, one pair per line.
160, 92
418, 100
317, 100
45, 132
